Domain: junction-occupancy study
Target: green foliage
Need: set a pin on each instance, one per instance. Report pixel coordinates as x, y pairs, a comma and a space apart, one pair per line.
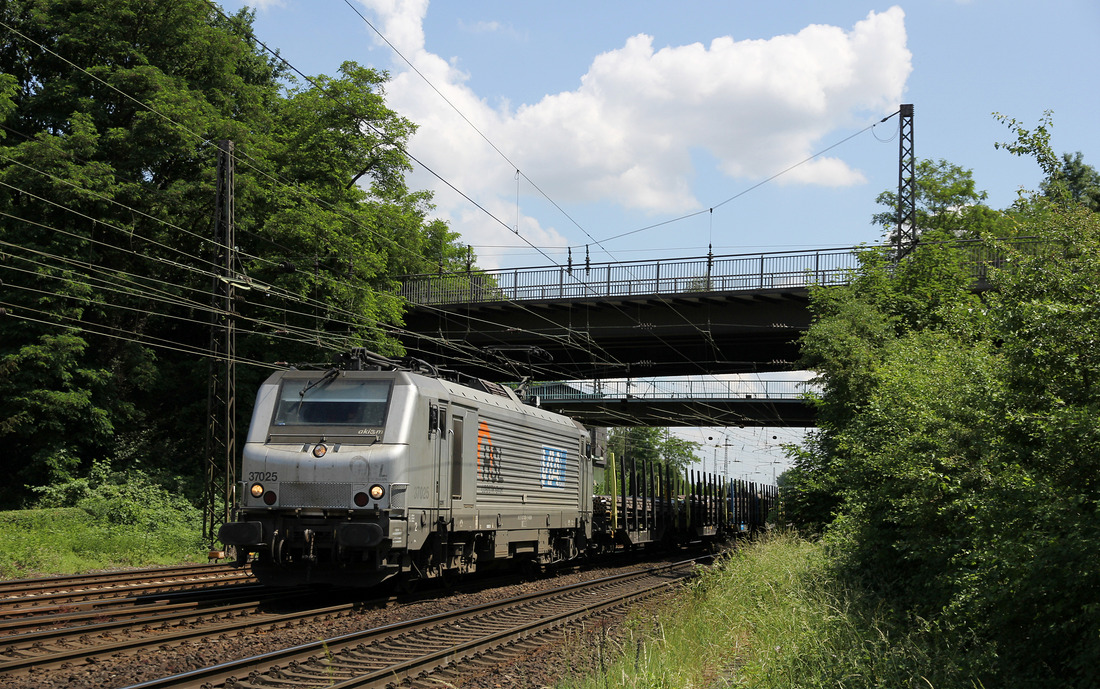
807, 496
772, 615
956, 468
41, 542
126, 498
1076, 180
948, 204
1031, 143
111, 114
654, 445
103, 519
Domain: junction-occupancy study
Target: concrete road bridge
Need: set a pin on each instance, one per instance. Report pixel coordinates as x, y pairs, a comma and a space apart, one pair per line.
693, 316
680, 402
702, 317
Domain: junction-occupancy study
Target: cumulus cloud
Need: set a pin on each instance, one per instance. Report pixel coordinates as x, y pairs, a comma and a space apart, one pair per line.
263, 5
490, 27
627, 133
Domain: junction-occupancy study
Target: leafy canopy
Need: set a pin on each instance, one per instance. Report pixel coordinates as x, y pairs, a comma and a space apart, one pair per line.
111, 114
956, 468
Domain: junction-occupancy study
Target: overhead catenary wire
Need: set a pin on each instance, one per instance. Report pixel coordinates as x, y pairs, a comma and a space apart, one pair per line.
138, 283
397, 144
403, 148
204, 141
126, 207
518, 172
752, 188
138, 286
475, 204
707, 335
425, 79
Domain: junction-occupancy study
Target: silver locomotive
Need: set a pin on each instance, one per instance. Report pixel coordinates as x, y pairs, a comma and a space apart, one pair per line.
357, 474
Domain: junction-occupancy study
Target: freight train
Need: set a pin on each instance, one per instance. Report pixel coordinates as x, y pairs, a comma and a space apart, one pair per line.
374, 469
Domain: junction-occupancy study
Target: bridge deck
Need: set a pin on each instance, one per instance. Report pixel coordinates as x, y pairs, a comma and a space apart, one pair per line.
703, 274
688, 402
682, 317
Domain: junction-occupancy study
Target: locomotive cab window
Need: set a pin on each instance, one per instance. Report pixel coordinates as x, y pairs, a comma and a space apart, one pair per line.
336, 402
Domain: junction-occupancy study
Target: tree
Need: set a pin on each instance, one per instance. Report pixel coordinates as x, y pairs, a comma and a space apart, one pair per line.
655, 445
112, 112
955, 471
1076, 180
948, 204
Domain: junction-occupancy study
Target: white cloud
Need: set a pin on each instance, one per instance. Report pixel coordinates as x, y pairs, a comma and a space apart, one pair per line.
263, 5
627, 133
490, 27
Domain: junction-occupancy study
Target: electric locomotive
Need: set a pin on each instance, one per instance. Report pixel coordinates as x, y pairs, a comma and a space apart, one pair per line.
374, 469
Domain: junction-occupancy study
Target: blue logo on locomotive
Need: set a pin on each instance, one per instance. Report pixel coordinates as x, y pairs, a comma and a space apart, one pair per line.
553, 467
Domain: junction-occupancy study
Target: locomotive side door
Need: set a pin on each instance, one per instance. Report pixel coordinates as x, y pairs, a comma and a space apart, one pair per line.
463, 462
441, 451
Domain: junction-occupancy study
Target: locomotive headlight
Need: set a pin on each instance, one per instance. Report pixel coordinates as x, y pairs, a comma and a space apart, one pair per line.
256, 490
377, 492
320, 450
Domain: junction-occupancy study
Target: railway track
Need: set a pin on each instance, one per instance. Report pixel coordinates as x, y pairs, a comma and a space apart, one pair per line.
101, 648
37, 643
442, 642
26, 597
43, 650
48, 584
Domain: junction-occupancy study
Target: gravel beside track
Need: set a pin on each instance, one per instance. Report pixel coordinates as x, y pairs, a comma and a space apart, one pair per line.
533, 665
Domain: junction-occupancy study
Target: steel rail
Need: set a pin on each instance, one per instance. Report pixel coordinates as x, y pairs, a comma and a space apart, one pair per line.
16, 605
30, 650
65, 655
49, 583
477, 647
197, 593
366, 646
144, 616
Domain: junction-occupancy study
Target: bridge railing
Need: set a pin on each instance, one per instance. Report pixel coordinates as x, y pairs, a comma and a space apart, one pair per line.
728, 273
682, 389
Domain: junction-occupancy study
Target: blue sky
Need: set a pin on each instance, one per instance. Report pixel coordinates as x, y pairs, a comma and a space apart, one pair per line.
628, 114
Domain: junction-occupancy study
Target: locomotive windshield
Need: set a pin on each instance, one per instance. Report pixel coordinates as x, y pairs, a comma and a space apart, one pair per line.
332, 402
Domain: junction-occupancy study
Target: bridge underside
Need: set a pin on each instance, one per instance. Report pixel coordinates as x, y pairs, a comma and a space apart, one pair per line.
642, 336
687, 413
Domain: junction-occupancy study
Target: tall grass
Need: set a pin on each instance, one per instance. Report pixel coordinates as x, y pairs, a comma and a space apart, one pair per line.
770, 615
71, 540
105, 520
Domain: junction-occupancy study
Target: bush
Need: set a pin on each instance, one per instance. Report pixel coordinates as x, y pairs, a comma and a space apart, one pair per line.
106, 519
773, 615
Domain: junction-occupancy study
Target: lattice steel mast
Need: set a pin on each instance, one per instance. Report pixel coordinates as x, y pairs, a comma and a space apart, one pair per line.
906, 237
221, 429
